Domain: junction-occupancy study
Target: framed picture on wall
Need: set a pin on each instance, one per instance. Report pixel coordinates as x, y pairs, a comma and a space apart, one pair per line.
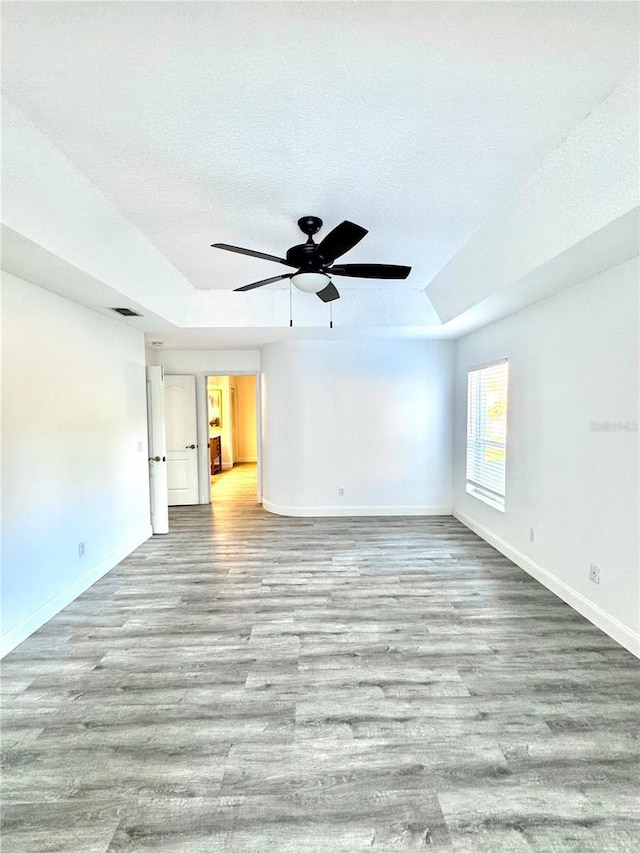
215, 407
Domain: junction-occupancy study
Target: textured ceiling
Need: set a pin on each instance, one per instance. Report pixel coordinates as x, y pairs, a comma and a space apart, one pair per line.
214, 121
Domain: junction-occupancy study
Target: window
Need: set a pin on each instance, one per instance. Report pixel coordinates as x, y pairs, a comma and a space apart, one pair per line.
487, 432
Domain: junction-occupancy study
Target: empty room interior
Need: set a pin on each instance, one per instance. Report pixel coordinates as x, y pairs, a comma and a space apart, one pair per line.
320, 427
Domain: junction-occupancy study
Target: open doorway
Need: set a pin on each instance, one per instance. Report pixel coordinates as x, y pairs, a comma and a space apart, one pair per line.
233, 439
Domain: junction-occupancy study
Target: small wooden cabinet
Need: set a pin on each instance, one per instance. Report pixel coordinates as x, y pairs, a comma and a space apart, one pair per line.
215, 454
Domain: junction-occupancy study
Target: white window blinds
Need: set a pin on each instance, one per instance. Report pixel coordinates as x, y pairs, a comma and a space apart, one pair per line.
487, 432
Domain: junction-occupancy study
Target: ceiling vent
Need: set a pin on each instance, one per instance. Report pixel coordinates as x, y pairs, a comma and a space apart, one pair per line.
126, 312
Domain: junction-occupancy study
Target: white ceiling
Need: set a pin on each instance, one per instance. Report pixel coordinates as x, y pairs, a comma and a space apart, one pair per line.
216, 121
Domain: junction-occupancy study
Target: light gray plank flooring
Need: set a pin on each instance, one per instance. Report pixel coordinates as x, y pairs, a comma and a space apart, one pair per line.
257, 683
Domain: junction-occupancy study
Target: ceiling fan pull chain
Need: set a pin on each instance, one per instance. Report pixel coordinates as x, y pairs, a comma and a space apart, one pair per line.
331, 315
290, 305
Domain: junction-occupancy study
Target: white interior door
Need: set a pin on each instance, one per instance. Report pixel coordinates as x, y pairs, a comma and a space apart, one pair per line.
181, 435
158, 494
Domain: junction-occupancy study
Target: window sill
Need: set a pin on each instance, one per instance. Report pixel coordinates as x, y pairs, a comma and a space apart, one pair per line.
494, 502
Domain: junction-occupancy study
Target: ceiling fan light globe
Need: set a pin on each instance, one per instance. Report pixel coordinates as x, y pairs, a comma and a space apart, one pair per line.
310, 282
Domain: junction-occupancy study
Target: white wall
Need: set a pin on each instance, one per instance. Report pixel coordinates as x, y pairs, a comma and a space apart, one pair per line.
74, 452
573, 362
205, 362
246, 428
373, 418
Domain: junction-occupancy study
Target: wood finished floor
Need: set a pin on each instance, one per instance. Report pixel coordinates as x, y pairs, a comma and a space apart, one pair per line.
252, 683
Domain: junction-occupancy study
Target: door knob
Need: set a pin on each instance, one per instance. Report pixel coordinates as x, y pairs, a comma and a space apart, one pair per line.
155, 459
190, 447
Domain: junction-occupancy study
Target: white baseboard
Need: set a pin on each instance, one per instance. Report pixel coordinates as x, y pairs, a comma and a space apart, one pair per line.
227, 466
331, 511
598, 617
247, 459
14, 636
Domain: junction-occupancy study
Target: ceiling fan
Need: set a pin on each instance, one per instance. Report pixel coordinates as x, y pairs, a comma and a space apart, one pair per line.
313, 261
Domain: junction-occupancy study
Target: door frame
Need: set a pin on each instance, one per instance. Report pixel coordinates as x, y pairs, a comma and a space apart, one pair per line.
156, 444
202, 403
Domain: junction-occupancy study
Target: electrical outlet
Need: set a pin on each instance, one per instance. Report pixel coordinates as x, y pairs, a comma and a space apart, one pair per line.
80, 549
594, 573
532, 535
341, 492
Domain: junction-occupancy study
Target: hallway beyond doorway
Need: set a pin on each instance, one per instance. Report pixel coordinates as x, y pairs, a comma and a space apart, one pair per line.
235, 487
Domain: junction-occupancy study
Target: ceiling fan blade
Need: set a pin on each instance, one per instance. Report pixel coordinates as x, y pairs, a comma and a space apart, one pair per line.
262, 282
371, 270
343, 237
328, 294
240, 251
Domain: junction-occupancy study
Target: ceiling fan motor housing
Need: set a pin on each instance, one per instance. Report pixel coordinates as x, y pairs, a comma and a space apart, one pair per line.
305, 257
